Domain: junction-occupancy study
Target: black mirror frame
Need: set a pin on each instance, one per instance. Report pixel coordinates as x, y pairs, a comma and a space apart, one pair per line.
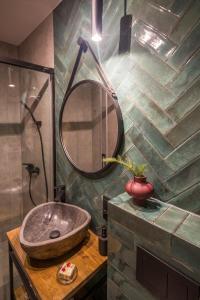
108, 167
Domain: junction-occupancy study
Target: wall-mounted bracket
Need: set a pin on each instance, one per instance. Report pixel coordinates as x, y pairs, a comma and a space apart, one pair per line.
84, 46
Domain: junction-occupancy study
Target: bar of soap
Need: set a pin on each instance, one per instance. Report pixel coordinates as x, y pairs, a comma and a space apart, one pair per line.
67, 271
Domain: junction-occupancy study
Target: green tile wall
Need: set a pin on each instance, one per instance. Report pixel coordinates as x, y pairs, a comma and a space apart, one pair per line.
158, 89
168, 232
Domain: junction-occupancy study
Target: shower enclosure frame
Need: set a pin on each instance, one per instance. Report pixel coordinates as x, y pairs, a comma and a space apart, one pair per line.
50, 71
43, 69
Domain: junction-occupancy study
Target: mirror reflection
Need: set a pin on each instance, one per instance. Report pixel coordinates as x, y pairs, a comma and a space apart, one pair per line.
89, 126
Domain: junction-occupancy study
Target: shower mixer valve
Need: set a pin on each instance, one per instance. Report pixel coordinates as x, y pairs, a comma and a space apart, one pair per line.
31, 169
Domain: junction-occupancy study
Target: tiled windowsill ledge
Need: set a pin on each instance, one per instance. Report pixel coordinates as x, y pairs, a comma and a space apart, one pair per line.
167, 231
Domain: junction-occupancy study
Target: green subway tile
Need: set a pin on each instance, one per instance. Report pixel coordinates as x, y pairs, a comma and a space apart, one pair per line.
179, 6
136, 78
185, 178
123, 234
157, 42
171, 219
121, 257
150, 87
185, 153
89, 191
127, 123
116, 187
190, 45
120, 199
117, 68
163, 3
186, 22
152, 112
186, 103
150, 154
114, 292
150, 211
131, 290
187, 255
189, 199
152, 64
120, 281
188, 74
150, 132
158, 18
127, 143
139, 221
185, 128
189, 230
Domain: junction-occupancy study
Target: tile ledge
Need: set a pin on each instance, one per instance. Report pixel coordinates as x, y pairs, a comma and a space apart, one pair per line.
139, 212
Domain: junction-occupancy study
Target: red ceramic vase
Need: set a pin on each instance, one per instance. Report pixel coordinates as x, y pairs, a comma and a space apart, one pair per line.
140, 189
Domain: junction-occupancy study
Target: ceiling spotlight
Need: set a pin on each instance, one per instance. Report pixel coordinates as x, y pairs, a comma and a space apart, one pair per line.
11, 85
97, 11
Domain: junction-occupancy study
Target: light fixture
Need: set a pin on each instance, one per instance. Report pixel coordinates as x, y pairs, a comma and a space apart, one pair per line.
125, 32
97, 11
10, 82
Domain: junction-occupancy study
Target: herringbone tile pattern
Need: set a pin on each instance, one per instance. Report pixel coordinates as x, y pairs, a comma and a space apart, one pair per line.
158, 86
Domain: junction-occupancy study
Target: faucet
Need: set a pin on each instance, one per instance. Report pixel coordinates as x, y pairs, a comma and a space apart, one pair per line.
59, 196
59, 193
31, 168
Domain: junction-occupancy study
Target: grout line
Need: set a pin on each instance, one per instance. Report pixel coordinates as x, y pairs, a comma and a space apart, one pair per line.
165, 131
183, 119
180, 68
182, 221
154, 102
182, 169
149, 48
154, 127
156, 30
182, 94
154, 149
161, 214
149, 74
182, 144
190, 57
181, 16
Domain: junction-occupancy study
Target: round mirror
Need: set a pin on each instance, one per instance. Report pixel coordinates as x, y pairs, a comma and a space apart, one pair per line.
91, 127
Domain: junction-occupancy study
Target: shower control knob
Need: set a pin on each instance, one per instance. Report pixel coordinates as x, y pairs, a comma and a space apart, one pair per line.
31, 169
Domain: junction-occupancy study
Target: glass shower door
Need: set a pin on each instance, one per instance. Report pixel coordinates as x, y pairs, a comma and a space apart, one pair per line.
11, 209
20, 142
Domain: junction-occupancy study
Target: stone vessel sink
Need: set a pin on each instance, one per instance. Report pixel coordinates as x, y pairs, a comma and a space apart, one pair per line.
52, 229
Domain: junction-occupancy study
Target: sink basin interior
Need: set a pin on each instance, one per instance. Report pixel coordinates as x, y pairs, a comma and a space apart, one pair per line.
45, 219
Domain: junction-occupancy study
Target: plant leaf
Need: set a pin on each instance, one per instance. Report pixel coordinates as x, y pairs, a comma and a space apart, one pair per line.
137, 170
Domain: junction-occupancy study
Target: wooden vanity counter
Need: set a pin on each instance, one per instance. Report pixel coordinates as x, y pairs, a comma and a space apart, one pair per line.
42, 276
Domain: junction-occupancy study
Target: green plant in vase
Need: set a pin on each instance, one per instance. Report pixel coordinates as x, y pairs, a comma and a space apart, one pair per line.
138, 187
